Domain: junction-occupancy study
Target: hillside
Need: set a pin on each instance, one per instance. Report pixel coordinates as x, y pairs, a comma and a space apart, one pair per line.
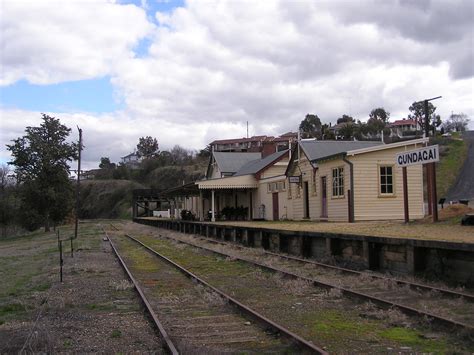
111, 198
106, 198
453, 152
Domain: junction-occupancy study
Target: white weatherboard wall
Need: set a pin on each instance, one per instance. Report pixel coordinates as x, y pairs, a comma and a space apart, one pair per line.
369, 204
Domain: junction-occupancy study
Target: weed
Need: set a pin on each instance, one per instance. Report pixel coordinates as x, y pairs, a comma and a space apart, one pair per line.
116, 333
122, 285
67, 343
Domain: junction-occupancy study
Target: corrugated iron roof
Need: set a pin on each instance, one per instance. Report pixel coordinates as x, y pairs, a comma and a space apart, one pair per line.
317, 150
231, 162
255, 166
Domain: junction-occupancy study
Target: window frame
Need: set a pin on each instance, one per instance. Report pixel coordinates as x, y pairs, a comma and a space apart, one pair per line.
379, 182
340, 185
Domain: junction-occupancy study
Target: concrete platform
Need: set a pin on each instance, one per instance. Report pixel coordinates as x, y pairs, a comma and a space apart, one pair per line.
449, 260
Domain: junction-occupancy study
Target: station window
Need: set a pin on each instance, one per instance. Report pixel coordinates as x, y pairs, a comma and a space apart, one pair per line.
338, 182
386, 180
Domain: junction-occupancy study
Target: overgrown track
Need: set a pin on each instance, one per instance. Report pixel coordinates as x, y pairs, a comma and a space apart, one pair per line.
164, 335
387, 294
412, 285
220, 329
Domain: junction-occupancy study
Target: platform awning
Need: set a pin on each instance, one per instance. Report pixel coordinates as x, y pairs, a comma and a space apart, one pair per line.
232, 182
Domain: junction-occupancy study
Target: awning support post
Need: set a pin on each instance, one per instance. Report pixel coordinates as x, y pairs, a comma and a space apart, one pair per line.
213, 217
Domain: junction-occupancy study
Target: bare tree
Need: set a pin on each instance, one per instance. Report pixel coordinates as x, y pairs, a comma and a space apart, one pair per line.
456, 122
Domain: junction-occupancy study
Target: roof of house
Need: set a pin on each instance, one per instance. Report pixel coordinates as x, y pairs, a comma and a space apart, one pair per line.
317, 150
403, 122
240, 140
130, 155
257, 165
230, 162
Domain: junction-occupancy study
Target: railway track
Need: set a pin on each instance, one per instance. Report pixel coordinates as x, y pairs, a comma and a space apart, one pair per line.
444, 307
412, 285
199, 318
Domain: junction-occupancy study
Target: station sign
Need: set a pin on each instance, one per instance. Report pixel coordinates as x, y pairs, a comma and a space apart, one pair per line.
294, 179
424, 155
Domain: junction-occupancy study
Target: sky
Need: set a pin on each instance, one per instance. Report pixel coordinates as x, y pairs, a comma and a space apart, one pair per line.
189, 72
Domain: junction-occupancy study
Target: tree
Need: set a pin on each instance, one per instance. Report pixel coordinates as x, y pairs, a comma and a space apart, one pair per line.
347, 131
41, 160
310, 127
147, 147
456, 122
106, 164
181, 155
417, 110
345, 119
7, 199
379, 114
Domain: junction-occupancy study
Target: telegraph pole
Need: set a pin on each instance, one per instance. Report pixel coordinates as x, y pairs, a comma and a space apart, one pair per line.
78, 183
431, 167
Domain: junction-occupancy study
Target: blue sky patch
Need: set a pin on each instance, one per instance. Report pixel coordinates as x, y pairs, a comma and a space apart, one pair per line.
95, 95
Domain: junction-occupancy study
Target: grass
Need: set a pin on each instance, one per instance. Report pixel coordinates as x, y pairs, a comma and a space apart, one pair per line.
116, 333
450, 164
412, 338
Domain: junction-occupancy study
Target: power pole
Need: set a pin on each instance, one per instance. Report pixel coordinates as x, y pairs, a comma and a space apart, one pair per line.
78, 183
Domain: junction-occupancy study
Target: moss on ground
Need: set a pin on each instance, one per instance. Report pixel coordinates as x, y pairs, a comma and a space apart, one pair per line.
413, 338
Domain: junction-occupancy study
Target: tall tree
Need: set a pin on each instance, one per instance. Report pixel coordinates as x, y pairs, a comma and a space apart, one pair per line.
345, 119
310, 127
147, 147
347, 131
417, 110
379, 114
106, 164
41, 160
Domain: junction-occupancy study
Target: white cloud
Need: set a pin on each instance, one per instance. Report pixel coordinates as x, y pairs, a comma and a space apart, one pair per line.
48, 42
212, 67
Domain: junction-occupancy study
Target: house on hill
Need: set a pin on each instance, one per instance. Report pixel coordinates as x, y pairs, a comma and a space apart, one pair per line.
131, 160
404, 128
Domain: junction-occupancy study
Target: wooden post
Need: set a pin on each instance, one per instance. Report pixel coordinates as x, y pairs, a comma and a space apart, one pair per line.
61, 260
213, 216
405, 194
349, 204
428, 183
434, 198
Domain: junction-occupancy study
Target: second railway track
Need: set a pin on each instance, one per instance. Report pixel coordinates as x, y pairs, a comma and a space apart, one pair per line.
197, 318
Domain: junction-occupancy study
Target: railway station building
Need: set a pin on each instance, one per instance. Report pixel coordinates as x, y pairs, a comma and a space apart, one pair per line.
345, 181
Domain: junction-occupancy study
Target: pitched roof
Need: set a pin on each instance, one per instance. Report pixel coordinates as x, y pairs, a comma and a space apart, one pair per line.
255, 166
230, 162
317, 150
240, 140
402, 123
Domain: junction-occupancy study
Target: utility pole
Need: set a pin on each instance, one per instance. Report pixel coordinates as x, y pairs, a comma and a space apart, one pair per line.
78, 183
427, 114
431, 167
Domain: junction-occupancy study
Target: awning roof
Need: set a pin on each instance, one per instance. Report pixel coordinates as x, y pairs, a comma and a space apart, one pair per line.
233, 182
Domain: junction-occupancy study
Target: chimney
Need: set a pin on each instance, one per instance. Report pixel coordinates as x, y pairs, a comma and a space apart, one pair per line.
268, 148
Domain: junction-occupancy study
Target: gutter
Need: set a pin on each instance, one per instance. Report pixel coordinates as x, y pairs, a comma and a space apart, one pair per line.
351, 172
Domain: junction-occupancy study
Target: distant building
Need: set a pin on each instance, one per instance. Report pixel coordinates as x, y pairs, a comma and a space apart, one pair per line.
89, 174
253, 144
131, 160
404, 128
